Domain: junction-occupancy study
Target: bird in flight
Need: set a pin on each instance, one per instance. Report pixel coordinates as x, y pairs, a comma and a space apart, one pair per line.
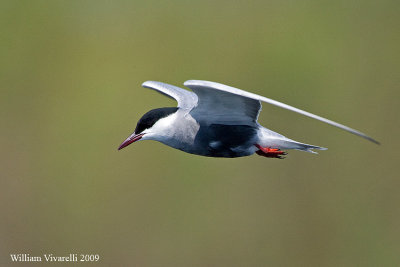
217, 120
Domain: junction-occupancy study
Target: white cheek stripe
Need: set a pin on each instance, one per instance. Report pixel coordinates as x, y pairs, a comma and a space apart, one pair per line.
164, 123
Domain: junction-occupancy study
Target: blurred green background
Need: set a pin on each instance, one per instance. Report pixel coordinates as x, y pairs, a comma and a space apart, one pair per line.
70, 85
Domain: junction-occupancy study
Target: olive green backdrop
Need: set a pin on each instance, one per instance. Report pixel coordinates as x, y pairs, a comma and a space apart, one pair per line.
70, 85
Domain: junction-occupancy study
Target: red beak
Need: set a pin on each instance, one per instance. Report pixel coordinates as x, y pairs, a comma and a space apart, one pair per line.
130, 140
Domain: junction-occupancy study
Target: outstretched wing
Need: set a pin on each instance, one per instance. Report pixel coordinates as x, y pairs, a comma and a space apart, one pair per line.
186, 99
221, 106
215, 96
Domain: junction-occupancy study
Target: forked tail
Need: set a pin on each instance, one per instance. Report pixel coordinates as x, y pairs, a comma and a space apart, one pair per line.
271, 139
303, 147
275, 149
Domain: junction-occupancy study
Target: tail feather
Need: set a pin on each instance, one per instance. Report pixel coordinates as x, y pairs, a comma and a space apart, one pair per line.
268, 138
303, 147
284, 144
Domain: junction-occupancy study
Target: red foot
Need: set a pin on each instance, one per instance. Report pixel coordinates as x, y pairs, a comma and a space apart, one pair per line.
270, 152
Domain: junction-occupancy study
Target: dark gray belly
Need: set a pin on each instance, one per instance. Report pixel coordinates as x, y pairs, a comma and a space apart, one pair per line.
218, 140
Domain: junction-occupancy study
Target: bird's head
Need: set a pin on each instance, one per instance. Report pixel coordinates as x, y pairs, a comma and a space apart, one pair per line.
150, 126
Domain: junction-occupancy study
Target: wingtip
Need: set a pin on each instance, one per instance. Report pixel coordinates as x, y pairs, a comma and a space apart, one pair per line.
369, 138
148, 84
374, 141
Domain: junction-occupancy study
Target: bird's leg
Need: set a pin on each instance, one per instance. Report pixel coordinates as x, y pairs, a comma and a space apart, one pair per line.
270, 152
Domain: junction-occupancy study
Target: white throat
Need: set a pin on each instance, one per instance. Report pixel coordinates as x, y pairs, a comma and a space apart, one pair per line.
177, 130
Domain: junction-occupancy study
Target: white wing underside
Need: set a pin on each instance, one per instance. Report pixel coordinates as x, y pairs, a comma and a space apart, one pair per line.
229, 105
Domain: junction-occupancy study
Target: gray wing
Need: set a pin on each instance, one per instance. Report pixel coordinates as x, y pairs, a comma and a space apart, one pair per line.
216, 106
210, 90
186, 99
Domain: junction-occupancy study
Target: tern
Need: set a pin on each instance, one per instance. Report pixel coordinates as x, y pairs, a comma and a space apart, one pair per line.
217, 120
